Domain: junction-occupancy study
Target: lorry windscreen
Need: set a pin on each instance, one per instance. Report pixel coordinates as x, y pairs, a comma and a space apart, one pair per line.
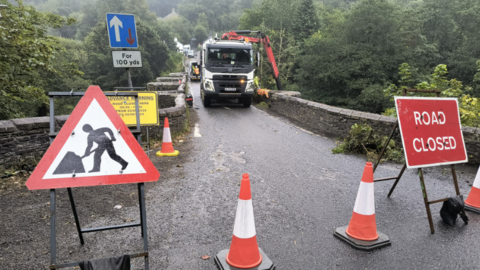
229, 56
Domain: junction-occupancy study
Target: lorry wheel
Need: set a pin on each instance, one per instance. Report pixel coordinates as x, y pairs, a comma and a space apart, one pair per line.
206, 101
247, 101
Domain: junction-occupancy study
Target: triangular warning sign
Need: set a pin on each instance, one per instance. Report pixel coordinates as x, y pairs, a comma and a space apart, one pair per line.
93, 148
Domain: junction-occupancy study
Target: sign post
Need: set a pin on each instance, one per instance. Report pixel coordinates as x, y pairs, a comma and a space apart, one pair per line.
431, 134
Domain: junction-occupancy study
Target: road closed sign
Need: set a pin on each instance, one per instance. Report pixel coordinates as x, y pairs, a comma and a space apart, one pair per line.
431, 131
126, 59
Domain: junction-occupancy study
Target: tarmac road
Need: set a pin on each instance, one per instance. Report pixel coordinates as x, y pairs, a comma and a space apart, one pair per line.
301, 192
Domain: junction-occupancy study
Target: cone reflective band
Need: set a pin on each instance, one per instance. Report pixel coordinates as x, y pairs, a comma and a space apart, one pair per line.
244, 252
473, 198
362, 226
167, 146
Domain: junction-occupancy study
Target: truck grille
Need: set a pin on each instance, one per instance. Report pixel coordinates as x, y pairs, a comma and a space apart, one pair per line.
225, 83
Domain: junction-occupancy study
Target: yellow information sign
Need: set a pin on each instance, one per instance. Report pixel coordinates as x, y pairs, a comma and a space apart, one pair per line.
148, 108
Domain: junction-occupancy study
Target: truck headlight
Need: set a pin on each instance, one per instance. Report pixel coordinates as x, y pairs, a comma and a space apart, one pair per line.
209, 85
250, 87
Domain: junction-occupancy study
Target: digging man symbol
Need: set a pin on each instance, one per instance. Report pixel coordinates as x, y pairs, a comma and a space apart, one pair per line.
99, 137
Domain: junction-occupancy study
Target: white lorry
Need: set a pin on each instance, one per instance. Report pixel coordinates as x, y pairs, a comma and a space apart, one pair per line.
227, 69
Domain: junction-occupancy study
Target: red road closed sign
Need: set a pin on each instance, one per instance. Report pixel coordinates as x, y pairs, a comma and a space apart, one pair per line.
431, 131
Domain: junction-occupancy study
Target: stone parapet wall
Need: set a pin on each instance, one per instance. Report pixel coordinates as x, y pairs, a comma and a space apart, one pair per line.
25, 140
169, 79
337, 122
169, 83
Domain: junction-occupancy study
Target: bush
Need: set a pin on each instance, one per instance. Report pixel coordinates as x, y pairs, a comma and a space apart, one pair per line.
362, 139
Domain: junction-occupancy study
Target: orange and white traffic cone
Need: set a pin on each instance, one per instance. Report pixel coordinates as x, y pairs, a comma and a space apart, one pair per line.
361, 232
167, 146
244, 252
472, 203
362, 225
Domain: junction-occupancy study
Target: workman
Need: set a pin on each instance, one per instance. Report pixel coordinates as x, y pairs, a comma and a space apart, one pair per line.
104, 143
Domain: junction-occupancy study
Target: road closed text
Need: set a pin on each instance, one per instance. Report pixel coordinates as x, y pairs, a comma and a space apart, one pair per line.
432, 143
431, 131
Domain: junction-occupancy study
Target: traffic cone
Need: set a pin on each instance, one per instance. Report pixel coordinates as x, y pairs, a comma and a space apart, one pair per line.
167, 146
362, 225
361, 232
244, 252
472, 203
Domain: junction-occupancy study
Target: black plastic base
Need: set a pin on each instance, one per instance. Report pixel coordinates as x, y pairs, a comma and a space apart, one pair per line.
472, 209
222, 264
382, 240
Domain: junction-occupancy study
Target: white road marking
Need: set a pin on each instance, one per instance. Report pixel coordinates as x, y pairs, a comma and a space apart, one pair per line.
227, 108
196, 131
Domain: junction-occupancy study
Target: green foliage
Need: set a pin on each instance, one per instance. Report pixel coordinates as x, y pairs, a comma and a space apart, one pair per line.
469, 106
200, 33
28, 57
305, 20
174, 64
180, 28
362, 139
221, 15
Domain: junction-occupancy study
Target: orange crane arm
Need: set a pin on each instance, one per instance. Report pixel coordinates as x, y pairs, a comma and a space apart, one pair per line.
261, 38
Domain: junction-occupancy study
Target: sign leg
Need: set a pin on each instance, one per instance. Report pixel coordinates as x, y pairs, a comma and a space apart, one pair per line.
74, 210
141, 187
398, 179
425, 199
53, 236
148, 143
385, 146
140, 198
455, 181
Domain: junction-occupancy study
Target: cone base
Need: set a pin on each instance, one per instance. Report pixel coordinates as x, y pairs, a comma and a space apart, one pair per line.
472, 209
382, 240
221, 262
160, 154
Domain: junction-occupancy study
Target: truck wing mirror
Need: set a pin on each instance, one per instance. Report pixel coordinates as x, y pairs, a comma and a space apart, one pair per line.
258, 59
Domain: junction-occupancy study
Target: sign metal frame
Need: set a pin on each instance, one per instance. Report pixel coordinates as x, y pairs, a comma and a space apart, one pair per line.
141, 197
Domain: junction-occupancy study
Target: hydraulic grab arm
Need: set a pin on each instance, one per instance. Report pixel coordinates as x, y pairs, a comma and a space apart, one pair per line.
260, 38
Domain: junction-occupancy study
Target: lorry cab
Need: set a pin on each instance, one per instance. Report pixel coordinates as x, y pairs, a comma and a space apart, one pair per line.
227, 71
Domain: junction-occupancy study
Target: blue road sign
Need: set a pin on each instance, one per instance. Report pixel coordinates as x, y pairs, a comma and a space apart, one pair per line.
122, 32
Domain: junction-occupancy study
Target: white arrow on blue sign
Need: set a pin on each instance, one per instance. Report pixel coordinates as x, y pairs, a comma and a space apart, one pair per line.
122, 32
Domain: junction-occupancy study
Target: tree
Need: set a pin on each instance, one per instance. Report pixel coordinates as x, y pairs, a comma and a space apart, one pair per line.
27, 58
200, 33
180, 28
305, 20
